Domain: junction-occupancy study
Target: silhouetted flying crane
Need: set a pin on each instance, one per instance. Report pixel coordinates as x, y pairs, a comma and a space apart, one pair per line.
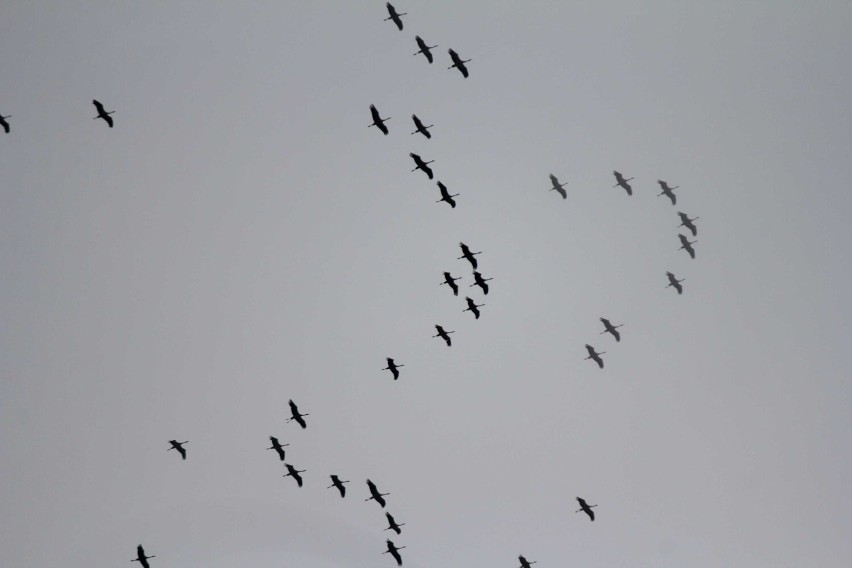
179, 447
685, 221
472, 307
686, 244
421, 165
558, 187
443, 334
394, 551
421, 128
594, 355
480, 281
620, 181
470, 256
445, 195
668, 191
586, 508
393, 525
392, 367
294, 473
375, 495
378, 121
451, 282
141, 558
424, 49
277, 446
296, 415
613, 329
524, 562
336, 482
674, 282
102, 113
457, 62
395, 16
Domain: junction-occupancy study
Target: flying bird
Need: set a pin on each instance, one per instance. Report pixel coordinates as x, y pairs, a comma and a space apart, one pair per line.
674, 282
336, 482
451, 282
378, 121
620, 181
586, 508
594, 355
668, 191
424, 49
472, 307
179, 447
294, 473
613, 329
102, 113
685, 221
296, 415
392, 367
394, 551
524, 562
375, 495
558, 187
458, 63
3, 122
686, 244
480, 281
443, 334
421, 165
445, 195
141, 558
424, 130
394, 15
393, 525
470, 256
277, 446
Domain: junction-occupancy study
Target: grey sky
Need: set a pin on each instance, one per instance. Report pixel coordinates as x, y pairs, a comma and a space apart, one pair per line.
241, 238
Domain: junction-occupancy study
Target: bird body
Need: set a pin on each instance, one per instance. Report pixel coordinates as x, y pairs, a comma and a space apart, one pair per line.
424, 49
296, 415
338, 483
686, 244
612, 329
294, 473
103, 113
421, 165
393, 368
378, 121
620, 181
141, 558
393, 525
445, 195
443, 334
558, 187
472, 307
470, 256
595, 356
685, 221
458, 63
277, 446
480, 281
451, 282
674, 283
668, 191
586, 508
375, 495
394, 15
393, 550
179, 447
5, 124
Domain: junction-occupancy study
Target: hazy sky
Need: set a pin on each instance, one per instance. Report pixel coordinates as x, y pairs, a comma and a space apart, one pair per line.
241, 238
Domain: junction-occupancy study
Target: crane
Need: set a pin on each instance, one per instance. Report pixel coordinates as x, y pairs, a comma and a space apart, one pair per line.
424, 49
458, 63
179, 447
421, 165
336, 482
394, 15
3, 122
480, 281
375, 495
392, 367
277, 446
472, 307
668, 191
558, 187
586, 508
686, 244
451, 282
613, 329
378, 121
394, 551
524, 562
674, 282
296, 415
294, 473
141, 558
685, 221
594, 355
444, 334
102, 113
620, 181
445, 195
393, 525
470, 256
421, 128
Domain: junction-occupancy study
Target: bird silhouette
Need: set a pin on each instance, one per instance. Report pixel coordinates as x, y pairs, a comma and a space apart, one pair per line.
102, 113
375, 495
179, 447
294, 473
595, 356
480, 281
668, 191
296, 415
620, 181
524, 562
421, 165
141, 558
421, 128
685, 221
558, 187
470, 256
686, 244
393, 368
424, 49
277, 446
451, 282
613, 329
458, 63
394, 15
393, 550
472, 307
378, 121
445, 195
586, 508
443, 334
393, 525
674, 282
338, 483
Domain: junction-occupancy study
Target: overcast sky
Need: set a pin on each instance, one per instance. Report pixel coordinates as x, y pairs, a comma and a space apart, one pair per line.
241, 238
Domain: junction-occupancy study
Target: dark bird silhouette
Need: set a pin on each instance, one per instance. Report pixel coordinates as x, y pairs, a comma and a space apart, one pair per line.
424, 49
480, 281
472, 307
620, 181
141, 558
102, 113
378, 121
3, 122
668, 191
558, 187
277, 446
421, 165
685, 221
392, 367
375, 495
395, 16
294, 473
458, 63
393, 525
443, 334
595, 356
613, 329
445, 195
336, 482
179, 447
451, 282
586, 508
424, 130
296, 415
674, 282
686, 244
394, 551
470, 256
524, 562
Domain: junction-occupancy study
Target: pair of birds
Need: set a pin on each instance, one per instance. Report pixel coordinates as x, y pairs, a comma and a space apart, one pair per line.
425, 49
608, 328
102, 113
379, 123
478, 280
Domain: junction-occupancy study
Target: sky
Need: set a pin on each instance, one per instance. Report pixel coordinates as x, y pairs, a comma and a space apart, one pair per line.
242, 238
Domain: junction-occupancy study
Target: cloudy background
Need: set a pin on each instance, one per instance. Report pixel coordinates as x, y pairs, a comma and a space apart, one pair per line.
241, 238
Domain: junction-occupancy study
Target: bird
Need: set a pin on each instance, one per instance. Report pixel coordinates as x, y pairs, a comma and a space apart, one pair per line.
392, 367
378, 121
451, 282
674, 282
480, 281
424, 49
421, 165
393, 525
457, 62
277, 446
472, 307
443, 334
668, 191
558, 187
623, 182
179, 447
296, 415
394, 15
686, 244
294, 473
336, 482
424, 130
524, 562
594, 355
685, 221
394, 551
586, 508
613, 329
141, 558
470, 256
102, 113
3, 122
375, 495
445, 195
